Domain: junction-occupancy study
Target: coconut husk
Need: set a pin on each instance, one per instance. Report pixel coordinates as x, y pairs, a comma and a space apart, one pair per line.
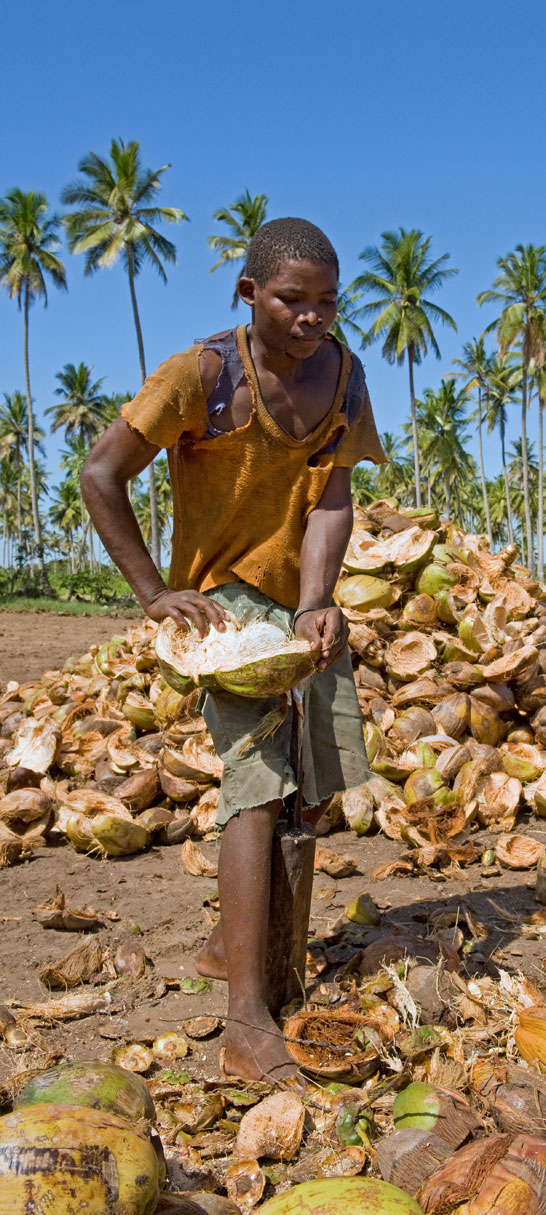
325, 1043
69, 1007
408, 1157
55, 914
75, 967
273, 1128
388, 949
195, 862
518, 851
336, 864
461, 1176
139, 790
409, 656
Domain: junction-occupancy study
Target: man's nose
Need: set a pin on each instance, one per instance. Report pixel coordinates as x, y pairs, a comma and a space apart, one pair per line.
310, 317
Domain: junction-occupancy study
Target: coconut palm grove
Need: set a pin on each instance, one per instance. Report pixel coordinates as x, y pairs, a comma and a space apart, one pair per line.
113, 215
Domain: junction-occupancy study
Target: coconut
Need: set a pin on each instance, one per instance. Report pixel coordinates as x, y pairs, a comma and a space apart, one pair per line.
253, 659
342, 1196
521, 760
100, 1085
518, 851
117, 836
273, 1128
364, 592
434, 578
35, 746
409, 656
411, 724
358, 809
452, 715
62, 1160
418, 612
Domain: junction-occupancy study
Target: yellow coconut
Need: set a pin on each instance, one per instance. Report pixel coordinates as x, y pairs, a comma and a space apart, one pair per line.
67, 1160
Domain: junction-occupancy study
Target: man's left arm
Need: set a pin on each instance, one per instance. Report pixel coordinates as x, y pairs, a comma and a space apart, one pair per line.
327, 535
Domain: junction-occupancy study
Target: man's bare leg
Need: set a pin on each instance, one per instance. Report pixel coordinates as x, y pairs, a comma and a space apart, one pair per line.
253, 1044
211, 961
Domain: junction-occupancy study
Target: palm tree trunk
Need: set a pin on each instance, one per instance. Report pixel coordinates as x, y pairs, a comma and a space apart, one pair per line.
506, 484
42, 575
414, 430
525, 463
540, 519
447, 489
155, 542
482, 470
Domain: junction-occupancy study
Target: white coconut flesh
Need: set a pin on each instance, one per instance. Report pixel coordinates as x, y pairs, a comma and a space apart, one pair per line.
240, 645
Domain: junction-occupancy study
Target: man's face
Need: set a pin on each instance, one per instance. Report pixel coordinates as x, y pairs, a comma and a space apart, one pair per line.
294, 310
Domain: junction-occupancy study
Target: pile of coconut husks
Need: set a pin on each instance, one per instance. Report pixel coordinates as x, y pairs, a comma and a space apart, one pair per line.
421, 1056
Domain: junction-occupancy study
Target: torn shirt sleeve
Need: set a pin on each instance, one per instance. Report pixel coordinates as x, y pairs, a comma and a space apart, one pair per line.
171, 403
361, 440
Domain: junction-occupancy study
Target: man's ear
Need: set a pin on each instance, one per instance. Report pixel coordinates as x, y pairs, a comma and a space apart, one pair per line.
247, 290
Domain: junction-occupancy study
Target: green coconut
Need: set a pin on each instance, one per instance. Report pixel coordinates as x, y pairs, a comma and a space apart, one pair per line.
417, 1106
446, 607
103, 1086
254, 659
426, 516
473, 631
342, 1196
362, 592
419, 611
358, 807
119, 836
421, 784
433, 578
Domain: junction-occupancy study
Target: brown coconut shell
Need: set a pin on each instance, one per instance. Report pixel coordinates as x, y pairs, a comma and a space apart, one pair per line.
322, 1042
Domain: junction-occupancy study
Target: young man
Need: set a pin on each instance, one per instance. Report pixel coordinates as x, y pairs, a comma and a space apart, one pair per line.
262, 426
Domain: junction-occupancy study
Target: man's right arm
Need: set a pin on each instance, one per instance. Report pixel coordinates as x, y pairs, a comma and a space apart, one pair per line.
121, 454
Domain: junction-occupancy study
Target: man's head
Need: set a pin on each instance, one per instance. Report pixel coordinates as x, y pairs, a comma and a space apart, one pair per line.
287, 240
291, 281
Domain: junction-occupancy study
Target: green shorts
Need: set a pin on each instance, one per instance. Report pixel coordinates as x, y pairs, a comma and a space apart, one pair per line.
334, 756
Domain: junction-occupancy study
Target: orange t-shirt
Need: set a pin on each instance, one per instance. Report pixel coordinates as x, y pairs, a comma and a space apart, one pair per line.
241, 499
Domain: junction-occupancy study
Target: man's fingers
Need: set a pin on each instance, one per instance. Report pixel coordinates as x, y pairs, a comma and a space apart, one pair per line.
192, 613
215, 613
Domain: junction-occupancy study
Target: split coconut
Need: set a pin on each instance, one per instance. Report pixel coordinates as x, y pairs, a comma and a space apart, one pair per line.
253, 659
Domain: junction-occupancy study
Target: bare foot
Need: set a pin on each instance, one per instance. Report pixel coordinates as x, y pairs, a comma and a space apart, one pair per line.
211, 961
254, 1048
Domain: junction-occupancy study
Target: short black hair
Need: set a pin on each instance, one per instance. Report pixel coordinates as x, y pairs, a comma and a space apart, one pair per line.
288, 239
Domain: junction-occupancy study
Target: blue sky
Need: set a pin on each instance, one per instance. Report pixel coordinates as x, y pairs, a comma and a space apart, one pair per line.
359, 116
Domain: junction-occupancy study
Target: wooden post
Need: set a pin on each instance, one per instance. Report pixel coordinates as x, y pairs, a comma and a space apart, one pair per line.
292, 869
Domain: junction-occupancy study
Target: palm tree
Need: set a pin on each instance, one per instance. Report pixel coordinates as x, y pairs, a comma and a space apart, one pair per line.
14, 441
348, 309
473, 369
520, 288
540, 378
363, 485
443, 433
72, 461
243, 219
65, 512
500, 391
114, 218
402, 274
392, 477
79, 410
28, 238
520, 499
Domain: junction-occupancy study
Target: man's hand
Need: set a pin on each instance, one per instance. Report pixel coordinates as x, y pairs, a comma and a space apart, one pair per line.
188, 605
326, 630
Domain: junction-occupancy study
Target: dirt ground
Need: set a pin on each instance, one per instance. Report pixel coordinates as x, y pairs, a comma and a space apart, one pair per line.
34, 642
151, 895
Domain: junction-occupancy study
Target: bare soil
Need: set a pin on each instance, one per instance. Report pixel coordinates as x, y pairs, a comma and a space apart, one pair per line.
153, 896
